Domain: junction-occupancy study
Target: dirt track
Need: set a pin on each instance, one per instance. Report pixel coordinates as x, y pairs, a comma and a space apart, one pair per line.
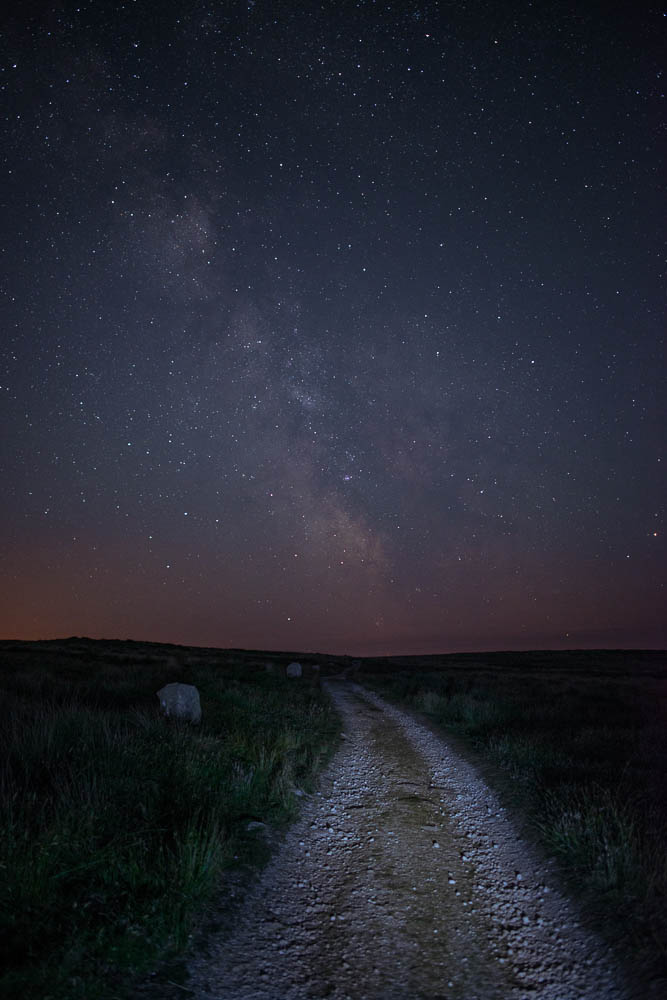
403, 878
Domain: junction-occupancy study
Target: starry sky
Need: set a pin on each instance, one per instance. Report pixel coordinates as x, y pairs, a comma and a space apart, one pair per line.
333, 326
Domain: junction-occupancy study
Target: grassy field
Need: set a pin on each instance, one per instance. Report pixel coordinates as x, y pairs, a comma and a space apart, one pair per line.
576, 744
116, 825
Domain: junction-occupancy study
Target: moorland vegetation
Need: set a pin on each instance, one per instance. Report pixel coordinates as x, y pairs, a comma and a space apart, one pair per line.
117, 825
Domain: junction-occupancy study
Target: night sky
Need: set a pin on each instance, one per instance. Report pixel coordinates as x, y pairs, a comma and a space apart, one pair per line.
333, 326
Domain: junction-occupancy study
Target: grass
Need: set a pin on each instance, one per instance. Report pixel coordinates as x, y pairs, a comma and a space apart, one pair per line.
116, 824
578, 745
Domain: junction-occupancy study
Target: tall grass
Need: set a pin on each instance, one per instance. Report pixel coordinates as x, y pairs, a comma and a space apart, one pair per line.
116, 824
579, 750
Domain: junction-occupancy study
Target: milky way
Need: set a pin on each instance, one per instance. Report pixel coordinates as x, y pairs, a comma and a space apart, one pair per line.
334, 326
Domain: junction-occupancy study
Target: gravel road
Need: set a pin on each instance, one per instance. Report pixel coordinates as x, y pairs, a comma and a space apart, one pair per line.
403, 879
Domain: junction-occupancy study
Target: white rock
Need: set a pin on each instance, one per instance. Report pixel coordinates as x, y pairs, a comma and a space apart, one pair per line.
180, 701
